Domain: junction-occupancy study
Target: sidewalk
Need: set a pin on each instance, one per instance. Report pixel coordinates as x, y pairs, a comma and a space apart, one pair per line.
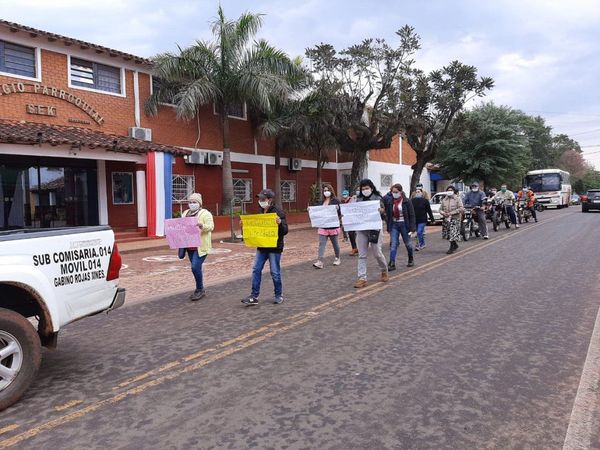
161, 243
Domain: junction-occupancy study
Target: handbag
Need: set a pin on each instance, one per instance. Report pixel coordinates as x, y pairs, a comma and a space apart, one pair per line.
181, 253
374, 236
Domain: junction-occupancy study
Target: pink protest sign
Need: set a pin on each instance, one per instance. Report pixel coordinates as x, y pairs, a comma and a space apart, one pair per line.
182, 233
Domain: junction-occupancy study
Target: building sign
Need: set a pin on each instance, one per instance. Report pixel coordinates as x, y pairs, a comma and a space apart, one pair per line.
41, 110
61, 94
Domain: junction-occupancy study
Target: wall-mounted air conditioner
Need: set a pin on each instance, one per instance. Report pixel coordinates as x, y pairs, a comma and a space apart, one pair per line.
143, 134
294, 164
214, 158
196, 157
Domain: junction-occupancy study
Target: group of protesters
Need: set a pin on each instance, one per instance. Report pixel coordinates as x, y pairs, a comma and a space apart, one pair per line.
402, 216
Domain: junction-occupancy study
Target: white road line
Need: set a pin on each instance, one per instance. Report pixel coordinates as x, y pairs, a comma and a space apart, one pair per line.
579, 433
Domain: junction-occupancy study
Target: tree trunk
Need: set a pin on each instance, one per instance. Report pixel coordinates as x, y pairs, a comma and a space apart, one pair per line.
227, 195
359, 165
277, 186
417, 171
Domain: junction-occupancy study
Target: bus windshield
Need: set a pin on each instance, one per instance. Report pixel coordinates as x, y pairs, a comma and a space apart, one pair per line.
544, 182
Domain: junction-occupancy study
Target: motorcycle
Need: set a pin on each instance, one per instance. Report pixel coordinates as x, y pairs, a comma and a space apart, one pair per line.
523, 213
538, 206
499, 214
470, 224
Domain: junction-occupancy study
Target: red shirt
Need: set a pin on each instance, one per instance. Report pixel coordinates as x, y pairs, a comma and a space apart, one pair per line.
397, 210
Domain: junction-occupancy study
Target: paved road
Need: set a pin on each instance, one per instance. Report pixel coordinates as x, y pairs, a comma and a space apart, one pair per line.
482, 349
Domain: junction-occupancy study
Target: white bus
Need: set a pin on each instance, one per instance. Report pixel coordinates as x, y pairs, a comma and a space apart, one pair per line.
552, 187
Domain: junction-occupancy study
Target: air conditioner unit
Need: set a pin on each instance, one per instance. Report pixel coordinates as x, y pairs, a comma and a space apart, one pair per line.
143, 134
196, 157
294, 164
214, 158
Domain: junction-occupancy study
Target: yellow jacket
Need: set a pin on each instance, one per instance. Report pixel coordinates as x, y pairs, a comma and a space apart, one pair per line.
205, 218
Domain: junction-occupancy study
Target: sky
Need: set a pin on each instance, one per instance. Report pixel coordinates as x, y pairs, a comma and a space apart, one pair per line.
544, 55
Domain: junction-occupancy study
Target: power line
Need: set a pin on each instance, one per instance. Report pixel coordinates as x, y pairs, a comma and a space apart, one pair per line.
585, 132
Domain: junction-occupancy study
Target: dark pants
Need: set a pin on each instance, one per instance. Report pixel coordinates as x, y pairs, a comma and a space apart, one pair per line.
197, 262
533, 213
399, 229
511, 214
275, 268
481, 221
352, 236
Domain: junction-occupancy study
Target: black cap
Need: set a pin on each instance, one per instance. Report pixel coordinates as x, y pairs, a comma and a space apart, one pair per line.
266, 193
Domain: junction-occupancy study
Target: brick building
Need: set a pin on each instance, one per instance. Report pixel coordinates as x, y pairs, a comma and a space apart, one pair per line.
76, 147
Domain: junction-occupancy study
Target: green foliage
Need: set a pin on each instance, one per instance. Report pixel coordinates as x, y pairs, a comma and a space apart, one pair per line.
486, 144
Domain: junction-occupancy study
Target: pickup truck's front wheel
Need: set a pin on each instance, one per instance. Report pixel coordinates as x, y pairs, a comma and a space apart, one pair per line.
20, 356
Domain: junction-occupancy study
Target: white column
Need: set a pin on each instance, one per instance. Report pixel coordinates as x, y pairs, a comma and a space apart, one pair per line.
264, 176
102, 192
136, 98
140, 185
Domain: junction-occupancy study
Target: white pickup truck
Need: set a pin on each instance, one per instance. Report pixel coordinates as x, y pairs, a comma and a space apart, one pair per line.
49, 278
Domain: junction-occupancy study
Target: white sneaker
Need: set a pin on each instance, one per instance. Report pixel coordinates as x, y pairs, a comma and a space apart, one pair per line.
318, 264
337, 262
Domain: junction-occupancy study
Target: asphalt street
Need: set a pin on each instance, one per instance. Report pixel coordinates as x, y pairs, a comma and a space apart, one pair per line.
481, 349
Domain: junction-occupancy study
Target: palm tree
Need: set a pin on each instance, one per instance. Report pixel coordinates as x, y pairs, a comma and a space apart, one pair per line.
226, 71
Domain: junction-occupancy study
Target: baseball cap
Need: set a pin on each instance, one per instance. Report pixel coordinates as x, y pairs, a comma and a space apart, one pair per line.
266, 193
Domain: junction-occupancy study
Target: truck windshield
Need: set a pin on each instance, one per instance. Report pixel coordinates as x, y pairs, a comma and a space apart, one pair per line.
544, 182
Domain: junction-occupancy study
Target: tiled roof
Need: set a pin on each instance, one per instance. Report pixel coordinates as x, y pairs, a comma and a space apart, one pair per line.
34, 32
30, 133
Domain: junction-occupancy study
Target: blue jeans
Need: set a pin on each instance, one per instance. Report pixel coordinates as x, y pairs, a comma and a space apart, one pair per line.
397, 229
197, 262
274, 267
421, 233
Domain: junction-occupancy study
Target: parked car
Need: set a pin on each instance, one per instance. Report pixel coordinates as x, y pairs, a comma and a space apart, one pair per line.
591, 200
575, 199
48, 279
436, 201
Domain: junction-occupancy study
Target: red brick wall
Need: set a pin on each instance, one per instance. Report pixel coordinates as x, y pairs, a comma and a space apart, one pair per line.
121, 217
409, 157
118, 112
388, 155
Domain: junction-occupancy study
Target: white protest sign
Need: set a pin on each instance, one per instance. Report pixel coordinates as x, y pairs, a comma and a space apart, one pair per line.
361, 216
324, 216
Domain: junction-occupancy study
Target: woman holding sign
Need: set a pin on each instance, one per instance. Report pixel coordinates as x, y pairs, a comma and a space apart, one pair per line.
373, 239
330, 233
197, 255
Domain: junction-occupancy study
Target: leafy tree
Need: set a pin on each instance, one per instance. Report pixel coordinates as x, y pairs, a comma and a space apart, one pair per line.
543, 154
361, 87
573, 162
485, 144
589, 180
429, 104
227, 70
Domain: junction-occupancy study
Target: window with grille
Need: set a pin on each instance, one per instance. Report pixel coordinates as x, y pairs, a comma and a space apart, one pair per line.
183, 187
95, 76
17, 59
387, 180
288, 191
242, 189
236, 110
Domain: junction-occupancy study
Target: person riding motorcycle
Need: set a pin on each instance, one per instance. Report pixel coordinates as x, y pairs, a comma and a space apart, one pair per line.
509, 200
475, 199
527, 195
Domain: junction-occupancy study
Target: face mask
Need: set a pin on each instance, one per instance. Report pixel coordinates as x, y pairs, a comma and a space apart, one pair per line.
450, 193
264, 204
367, 192
503, 189
345, 196
194, 206
357, 192
474, 189
494, 192
418, 195
327, 194
396, 194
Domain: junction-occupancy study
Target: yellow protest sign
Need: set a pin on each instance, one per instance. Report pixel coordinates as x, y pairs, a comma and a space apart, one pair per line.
260, 230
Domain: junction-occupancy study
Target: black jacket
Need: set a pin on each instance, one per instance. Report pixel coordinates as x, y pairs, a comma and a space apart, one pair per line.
282, 231
422, 209
408, 212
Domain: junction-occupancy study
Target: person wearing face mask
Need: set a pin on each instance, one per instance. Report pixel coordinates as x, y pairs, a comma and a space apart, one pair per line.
369, 193
451, 209
509, 199
347, 198
197, 256
422, 209
266, 201
475, 199
400, 221
326, 234
527, 195
419, 187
